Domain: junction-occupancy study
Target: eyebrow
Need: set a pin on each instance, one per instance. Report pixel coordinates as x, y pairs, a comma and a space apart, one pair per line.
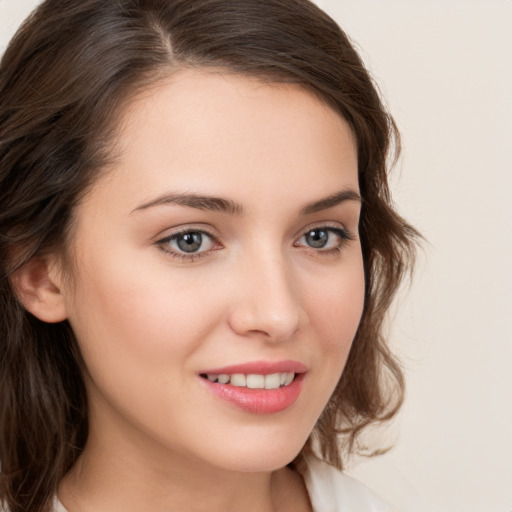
219, 204
200, 202
331, 201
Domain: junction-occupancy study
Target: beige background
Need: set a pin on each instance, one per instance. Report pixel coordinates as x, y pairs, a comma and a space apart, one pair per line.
445, 68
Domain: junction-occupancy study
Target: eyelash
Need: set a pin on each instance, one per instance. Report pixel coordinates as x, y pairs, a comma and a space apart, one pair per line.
343, 235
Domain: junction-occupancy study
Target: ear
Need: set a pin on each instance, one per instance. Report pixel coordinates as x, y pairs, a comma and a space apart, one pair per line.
38, 287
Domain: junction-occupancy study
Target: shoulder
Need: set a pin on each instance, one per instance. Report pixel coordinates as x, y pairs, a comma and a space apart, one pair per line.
332, 491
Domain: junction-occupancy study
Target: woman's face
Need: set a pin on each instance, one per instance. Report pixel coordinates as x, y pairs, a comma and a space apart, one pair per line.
216, 261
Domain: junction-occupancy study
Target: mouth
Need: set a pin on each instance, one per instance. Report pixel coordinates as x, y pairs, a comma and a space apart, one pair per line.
252, 380
259, 388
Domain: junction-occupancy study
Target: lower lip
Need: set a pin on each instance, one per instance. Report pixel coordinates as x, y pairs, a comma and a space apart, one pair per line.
258, 401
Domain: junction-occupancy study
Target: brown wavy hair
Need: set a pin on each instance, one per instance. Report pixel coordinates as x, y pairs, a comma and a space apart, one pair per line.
64, 79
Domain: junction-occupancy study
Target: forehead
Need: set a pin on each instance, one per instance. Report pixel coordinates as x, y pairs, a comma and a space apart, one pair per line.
201, 129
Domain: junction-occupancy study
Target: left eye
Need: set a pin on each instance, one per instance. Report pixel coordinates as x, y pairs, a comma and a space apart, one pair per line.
190, 242
323, 238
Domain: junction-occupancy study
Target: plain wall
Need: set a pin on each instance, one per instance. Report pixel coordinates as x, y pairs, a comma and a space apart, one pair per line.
445, 70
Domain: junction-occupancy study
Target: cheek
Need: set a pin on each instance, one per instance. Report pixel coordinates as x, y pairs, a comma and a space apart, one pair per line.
144, 316
335, 311
136, 332
336, 308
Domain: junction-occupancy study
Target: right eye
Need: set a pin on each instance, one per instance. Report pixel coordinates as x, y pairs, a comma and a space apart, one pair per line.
187, 243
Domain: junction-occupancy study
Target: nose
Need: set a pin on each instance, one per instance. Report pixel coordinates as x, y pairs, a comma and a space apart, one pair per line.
267, 302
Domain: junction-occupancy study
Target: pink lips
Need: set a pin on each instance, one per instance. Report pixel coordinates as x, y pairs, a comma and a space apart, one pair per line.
259, 401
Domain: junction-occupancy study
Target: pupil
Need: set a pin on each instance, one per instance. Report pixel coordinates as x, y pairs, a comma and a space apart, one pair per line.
190, 242
317, 238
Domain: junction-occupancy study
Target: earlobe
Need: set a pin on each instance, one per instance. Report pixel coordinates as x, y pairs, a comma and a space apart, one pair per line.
38, 288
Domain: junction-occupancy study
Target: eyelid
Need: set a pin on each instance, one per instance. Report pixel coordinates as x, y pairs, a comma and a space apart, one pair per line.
327, 225
163, 242
342, 232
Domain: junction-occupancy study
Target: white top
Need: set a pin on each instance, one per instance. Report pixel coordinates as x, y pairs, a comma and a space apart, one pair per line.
332, 491
329, 491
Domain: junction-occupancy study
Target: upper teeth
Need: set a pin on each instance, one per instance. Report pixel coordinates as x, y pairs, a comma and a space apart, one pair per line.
272, 381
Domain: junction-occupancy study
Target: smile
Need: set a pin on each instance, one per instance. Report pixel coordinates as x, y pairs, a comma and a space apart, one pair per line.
253, 381
258, 387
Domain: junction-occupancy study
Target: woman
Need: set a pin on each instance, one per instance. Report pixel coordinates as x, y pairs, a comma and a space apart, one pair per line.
198, 249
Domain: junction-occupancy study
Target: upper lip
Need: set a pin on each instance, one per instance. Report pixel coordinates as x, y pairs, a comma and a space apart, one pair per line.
259, 368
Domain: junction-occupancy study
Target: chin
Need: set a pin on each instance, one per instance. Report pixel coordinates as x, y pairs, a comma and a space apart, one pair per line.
262, 456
